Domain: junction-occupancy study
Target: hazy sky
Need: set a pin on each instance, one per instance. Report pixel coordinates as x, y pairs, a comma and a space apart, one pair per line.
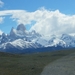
44, 16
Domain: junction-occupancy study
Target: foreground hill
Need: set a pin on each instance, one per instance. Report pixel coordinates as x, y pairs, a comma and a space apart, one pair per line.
29, 64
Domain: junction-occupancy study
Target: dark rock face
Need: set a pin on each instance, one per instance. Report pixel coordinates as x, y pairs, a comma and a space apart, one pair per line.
21, 27
12, 32
4, 38
18, 33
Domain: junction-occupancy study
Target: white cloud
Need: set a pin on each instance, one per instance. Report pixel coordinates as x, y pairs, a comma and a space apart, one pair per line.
1, 3
47, 22
54, 22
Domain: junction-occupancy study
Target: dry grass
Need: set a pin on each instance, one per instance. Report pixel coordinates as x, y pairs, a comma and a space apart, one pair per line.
29, 64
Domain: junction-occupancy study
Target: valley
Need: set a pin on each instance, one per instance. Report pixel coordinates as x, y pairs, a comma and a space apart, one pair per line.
29, 64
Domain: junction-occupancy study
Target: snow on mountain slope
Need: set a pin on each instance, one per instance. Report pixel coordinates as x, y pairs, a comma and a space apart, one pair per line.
59, 42
64, 40
19, 44
23, 44
41, 41
68, 39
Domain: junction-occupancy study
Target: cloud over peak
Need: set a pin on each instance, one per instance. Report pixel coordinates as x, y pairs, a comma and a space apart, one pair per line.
47, 22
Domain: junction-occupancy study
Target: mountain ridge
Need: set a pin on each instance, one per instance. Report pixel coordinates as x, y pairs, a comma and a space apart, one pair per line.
21, 39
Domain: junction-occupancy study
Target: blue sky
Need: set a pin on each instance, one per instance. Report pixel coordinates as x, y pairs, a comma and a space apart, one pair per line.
66, 7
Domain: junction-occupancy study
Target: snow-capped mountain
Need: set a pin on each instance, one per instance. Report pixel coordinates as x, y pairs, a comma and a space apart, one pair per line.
21, 39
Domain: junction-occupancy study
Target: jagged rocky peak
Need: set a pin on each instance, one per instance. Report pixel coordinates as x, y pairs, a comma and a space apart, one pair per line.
12, 29
66, 36
12, 32
21, 27
4, 35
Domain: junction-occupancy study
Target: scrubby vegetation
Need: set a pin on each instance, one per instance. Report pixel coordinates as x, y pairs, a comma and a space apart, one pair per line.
28, 64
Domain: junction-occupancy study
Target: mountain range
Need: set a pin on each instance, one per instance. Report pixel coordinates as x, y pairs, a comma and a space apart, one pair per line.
20, 39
